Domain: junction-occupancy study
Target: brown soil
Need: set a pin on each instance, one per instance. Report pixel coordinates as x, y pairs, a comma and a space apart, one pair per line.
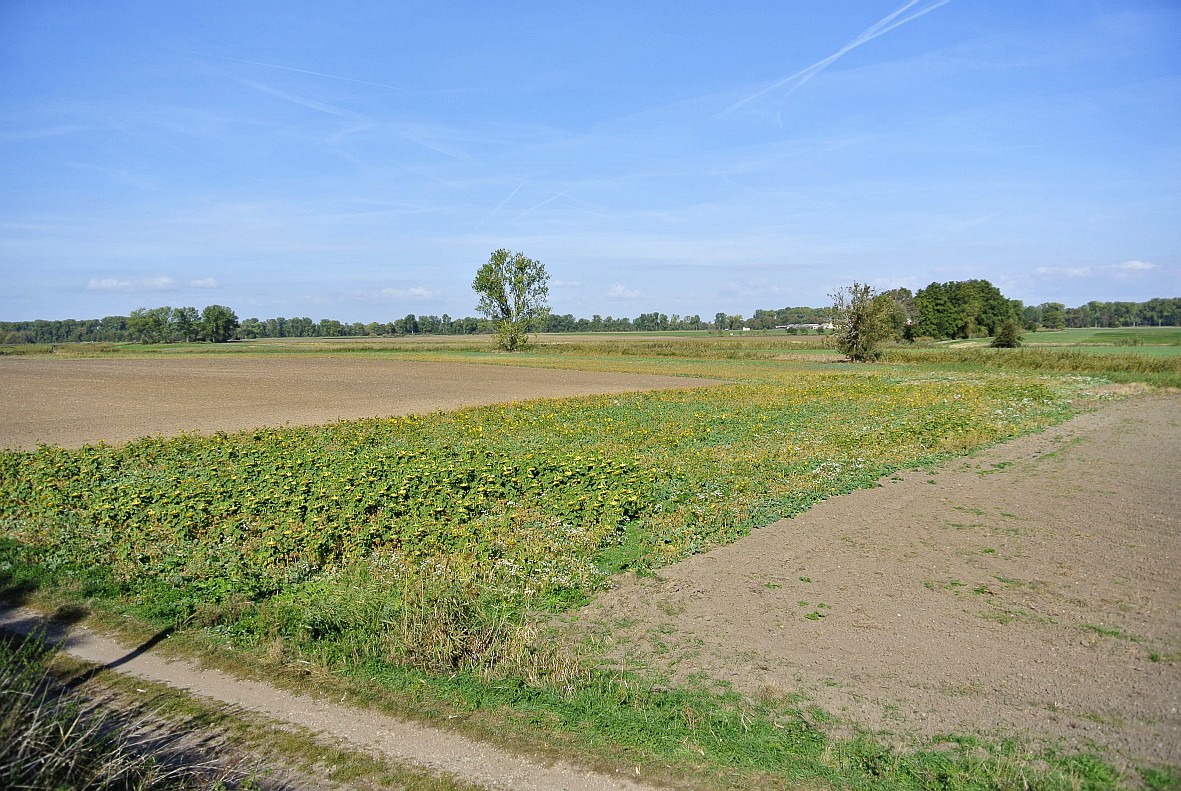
81, 401
1031, 588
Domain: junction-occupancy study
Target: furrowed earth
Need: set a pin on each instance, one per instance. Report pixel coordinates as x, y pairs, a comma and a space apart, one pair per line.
1029, 589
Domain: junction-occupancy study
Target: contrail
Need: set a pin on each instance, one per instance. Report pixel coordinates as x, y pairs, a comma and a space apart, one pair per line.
297, 71
500, 205
544, 202
320, 73
310, 104
798, 79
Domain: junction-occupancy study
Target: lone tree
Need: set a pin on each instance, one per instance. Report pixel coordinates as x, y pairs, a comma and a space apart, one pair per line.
513, 291
1007, 337
864, 320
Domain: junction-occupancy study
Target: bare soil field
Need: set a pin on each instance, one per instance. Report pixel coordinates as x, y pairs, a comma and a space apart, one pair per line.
81, 401
1031, 588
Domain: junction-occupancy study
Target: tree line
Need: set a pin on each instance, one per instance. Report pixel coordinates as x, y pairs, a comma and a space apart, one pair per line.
217, 323
865, 319
976, 308
941, 310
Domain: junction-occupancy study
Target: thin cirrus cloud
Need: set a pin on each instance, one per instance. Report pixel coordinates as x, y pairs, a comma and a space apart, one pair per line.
320, 107
281, 67
143, 284
146, 284
1135, 266
1123, 268
417, 292
620, 292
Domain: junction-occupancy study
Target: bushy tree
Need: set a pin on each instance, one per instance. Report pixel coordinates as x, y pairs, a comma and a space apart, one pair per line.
1008, 336
1053, 315
184, 323
218, 323
962, 309
938, 316
251, 328
513, 293
150, 325
864, 321
902, 312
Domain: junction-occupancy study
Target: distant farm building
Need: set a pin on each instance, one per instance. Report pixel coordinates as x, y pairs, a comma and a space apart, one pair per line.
827, 326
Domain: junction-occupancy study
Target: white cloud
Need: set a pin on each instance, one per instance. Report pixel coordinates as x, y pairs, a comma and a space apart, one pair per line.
619, 292
1135, 266
205, 282
1078, 271
415, 293
1123, 268
752, 289
144, 284
566, 284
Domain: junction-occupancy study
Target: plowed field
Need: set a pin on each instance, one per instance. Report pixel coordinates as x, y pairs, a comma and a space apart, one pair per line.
78, 402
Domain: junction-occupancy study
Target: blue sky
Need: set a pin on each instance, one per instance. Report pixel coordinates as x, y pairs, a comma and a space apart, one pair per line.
360, 160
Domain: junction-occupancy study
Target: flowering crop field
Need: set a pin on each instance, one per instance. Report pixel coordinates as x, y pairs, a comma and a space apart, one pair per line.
534, 502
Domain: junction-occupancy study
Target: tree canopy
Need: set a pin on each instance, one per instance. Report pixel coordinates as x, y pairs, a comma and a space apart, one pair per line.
962, 309
218, 323
513, 293
170, 324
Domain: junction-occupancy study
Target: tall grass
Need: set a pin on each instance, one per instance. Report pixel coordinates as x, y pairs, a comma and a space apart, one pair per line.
52, 738
1125, 366
430, 620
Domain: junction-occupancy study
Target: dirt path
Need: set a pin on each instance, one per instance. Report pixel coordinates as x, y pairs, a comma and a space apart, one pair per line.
1031, 588
73, 402
375, 733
